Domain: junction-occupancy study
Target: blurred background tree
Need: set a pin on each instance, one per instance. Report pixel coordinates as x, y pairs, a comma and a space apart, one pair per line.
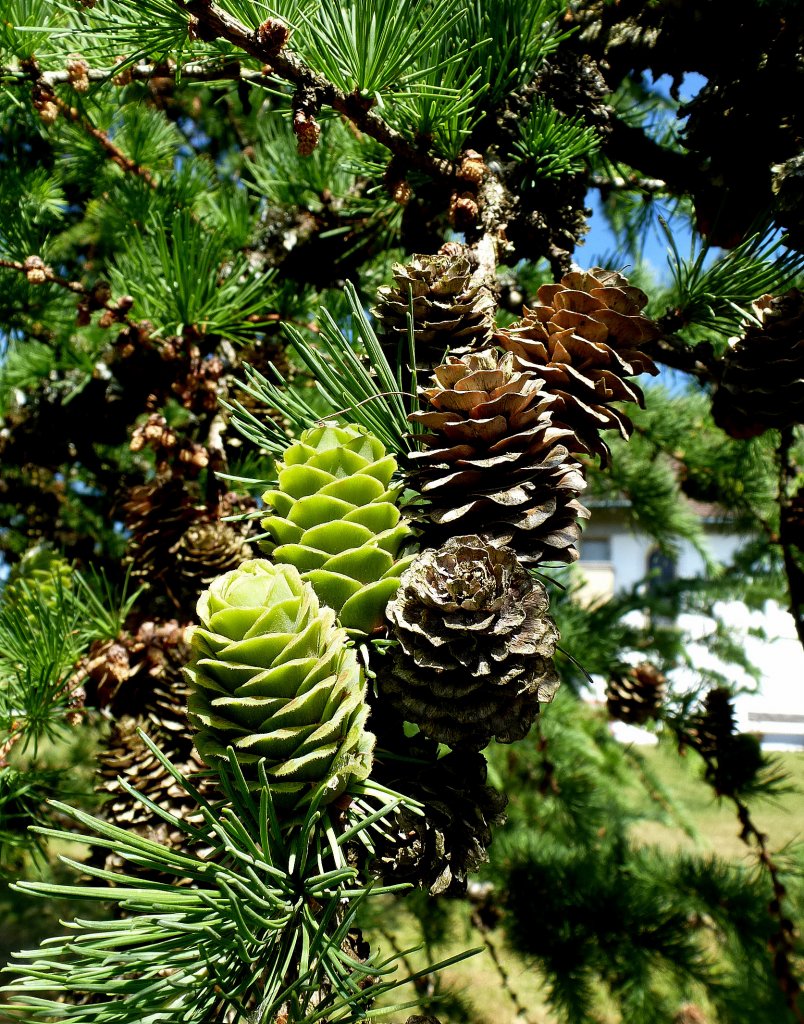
185, 185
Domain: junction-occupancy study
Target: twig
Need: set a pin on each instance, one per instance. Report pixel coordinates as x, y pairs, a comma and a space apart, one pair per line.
505, 978
782, 942
49, 276
115, 154
38, 272
698, 360
143, 72
631, 183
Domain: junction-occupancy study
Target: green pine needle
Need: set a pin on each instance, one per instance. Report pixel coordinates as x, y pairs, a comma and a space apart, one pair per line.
552, 145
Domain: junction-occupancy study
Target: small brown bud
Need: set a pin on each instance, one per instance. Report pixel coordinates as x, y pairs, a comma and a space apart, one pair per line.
83, 316
48, 112
101, 293
401, 192
307, 131
452, 249
197, 456
78, 72
463, 210
472, 167
124, 76
273, 34
106, 319
35, 269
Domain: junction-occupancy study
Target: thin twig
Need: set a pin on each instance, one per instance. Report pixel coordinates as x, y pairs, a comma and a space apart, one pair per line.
50, 277
782, 942
505, 978
115, 154
38, 273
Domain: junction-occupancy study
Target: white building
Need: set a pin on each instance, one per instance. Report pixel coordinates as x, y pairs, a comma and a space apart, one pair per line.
614, 558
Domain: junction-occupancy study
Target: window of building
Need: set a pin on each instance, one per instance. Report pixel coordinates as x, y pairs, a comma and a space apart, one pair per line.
596, 549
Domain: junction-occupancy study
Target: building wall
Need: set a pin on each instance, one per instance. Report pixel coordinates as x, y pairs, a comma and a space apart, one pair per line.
776, 708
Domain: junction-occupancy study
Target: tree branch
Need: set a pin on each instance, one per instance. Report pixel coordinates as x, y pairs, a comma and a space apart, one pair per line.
630, 145
98, 297
215, 23
782, 943
115, 154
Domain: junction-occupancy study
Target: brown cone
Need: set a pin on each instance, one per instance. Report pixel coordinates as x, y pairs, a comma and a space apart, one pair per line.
476, 645
209, 549
762, 384
157, 514
438, 848
635, 694
584, 339
450, 310
494, 464
732, 759
137, 680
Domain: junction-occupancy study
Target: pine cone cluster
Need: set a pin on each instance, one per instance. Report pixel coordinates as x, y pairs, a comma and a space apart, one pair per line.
438, 848
271, 677
762, 383
476, 645
450, 309
584, 339
635, 693
494, 463
335, 518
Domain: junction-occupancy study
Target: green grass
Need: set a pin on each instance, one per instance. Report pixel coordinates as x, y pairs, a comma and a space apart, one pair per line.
782, 818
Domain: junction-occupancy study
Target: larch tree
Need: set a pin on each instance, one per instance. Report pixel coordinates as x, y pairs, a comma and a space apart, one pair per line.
307, 390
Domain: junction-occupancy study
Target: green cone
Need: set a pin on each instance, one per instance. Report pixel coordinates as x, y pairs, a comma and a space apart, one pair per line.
335, 519
271, 677
42, 578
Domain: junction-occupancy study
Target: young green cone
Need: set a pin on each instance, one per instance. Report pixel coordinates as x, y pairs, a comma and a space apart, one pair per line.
335, 519
271, 677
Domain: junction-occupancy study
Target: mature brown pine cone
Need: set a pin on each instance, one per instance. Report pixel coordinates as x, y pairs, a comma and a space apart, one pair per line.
762, 384
494, 463
584, 339
127, 757
635, 693
137, 680
450, 310
157, 515
438, 848
476, 645
208, 549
